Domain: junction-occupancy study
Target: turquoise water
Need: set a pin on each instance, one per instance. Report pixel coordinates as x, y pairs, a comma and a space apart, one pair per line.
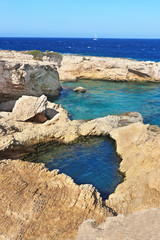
94, 160
91, 161
106, 98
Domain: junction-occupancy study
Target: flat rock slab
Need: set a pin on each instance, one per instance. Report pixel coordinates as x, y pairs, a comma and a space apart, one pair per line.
27, 107
141, 225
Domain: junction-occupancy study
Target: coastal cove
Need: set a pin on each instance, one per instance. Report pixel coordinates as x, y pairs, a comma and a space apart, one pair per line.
91, 160
104, 98
79, 124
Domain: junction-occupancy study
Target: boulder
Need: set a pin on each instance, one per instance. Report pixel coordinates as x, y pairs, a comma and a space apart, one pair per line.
80, 89
28, 107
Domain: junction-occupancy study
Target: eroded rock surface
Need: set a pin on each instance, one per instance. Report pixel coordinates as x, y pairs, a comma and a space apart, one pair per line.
28, 107
139, 147
142, 225
43, 205
59, 128
21, 75
137, 144
105, 68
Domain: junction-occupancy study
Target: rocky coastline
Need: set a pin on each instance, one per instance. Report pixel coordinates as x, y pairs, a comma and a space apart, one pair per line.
38, 204
109, 69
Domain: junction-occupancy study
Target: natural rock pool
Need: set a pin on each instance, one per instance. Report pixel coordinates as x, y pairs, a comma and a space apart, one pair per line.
107, 98
94, 160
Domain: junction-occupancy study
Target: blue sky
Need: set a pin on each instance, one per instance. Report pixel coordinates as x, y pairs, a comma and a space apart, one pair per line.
83, 18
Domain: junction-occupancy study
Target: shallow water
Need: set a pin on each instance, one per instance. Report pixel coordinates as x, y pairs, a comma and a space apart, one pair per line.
106, 98
91, 161
95, 161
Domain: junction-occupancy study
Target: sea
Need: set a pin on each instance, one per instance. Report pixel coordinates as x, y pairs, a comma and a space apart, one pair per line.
94, 160
138, 49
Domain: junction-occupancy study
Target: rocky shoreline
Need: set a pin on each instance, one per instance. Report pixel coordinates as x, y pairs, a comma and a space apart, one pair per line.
137, 144
109, 69
38, 204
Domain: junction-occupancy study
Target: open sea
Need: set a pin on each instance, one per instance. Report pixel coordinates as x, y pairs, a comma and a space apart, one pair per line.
139, 49
94, 160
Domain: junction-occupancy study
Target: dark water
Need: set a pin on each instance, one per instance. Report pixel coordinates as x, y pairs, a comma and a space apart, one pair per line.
139, 49
106, 98
91, 161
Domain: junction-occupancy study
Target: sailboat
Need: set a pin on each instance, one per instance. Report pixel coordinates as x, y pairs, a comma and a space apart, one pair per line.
95, 38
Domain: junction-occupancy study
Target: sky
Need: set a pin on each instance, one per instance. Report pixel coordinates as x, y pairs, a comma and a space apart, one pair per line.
83, 18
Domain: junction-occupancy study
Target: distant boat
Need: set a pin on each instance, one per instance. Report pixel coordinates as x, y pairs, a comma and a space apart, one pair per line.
95, 38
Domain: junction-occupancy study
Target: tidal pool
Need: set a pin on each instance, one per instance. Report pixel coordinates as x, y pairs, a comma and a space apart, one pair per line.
92, 161
106, 98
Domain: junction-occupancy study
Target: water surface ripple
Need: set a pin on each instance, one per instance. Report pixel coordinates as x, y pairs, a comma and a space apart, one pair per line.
107, 98
92, 161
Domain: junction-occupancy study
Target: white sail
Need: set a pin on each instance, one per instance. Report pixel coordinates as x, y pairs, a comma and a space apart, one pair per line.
95, 38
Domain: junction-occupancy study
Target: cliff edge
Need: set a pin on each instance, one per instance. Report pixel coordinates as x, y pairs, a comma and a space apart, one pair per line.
21, 74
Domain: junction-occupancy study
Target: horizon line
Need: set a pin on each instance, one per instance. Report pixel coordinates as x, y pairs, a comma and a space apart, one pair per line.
89, 38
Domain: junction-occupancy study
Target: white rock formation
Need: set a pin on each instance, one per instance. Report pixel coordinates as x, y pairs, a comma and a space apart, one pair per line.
27, 107
21, 75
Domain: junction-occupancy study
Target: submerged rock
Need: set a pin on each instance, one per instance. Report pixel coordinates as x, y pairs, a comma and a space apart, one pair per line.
80, 89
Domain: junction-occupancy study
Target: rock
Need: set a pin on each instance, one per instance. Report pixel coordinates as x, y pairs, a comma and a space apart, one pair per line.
21, 75
5, 114
105, 68
39, 204
80, 89
139, 147
51, 110
140, 225
7, 106
60, 128
38, 118
136, 143
28, 107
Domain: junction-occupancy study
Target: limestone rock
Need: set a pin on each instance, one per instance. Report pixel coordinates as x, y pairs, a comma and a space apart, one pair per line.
27, 107
80, 89
105, 68
136, 143
140, 225
21, 75
39, 204
5, 114
139, 147
60, 128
